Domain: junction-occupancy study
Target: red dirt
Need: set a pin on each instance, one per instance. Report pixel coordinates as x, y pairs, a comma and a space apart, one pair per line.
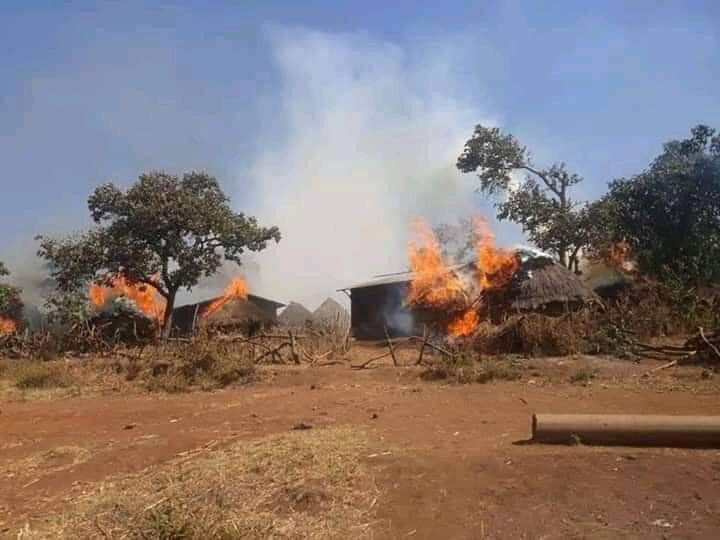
452, 471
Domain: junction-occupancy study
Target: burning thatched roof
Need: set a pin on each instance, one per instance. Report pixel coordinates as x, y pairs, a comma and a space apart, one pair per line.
235, 311
540, 281
295, 315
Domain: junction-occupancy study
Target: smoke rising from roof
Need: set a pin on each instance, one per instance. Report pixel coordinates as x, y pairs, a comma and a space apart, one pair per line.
364, 142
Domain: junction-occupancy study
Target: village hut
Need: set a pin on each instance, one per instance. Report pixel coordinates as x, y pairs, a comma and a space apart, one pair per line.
541, 284
295, 315
234, 314
120, 320
330, 312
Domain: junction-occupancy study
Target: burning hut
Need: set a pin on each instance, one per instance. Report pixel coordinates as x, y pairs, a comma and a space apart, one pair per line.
541, 284
537, 284
243, 313
381, 303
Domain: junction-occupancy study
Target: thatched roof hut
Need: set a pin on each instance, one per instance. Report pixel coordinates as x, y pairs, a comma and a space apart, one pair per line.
295, 315
235, 313
330, 312
540, 283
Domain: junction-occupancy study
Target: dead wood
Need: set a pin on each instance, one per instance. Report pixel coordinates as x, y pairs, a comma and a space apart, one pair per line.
709, 344
390, 346
422, 347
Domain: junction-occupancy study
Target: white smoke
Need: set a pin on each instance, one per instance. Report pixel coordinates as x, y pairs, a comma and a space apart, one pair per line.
364, 142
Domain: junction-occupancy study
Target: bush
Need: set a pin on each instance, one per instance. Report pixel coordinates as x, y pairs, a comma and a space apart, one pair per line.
35, 374
533, 334
465, 368
200, 363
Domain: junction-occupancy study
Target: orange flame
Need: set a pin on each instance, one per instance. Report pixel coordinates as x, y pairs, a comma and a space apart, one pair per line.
236, 289
435, 285
145, 297
7, 326
495, 266
465, 324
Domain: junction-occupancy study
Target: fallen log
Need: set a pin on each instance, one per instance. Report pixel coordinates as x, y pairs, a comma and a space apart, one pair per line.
627, 430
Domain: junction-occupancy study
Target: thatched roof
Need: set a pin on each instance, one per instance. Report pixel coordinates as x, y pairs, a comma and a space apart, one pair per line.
234, 312
330, 312
541, 281
295, 315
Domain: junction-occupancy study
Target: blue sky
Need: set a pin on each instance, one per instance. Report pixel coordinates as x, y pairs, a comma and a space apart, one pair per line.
339, 121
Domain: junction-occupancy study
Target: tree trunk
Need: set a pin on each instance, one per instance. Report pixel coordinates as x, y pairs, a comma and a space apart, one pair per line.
562, 255
167, 316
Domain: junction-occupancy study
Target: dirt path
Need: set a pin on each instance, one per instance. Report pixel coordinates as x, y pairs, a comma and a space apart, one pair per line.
444, 458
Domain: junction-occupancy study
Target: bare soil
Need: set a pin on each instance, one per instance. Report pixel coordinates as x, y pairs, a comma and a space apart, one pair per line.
448, 460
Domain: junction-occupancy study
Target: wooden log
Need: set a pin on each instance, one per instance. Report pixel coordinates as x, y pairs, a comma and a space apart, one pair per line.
627, 430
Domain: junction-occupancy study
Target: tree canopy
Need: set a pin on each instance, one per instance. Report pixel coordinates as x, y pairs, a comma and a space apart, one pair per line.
163, 231
669, 214
540, 202
11, 305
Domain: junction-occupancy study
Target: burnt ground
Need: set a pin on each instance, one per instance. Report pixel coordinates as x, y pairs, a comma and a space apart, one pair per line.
448, 460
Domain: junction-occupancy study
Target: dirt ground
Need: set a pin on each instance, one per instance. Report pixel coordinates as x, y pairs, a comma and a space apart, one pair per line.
447, 459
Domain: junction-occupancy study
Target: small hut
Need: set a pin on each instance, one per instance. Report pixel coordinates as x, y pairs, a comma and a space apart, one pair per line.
235, 314
540, 284
295, 316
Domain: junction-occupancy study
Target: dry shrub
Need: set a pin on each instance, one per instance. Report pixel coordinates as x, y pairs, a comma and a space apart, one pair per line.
465, 368
583, 374
34, 374
307, 484
534, 334
200, 363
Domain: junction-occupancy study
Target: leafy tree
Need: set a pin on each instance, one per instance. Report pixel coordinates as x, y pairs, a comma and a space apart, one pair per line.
11, 305
540, 203
455, 239
669, 214
163, 231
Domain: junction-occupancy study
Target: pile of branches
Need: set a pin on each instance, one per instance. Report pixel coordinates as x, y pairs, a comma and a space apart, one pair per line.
702, 348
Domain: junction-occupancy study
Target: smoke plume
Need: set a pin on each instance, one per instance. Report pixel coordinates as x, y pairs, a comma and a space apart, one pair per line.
364, 141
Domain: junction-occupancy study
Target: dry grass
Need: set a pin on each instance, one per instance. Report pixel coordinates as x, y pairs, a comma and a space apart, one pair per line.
583, 374
199, 364
34, 378
466, 368
307, 484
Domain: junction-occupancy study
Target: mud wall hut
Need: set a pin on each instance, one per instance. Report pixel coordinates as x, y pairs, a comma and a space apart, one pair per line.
379, 304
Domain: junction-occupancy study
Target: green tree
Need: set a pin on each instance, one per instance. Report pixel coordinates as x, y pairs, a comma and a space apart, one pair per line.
163, 231
11, 305
540, 202
669, 214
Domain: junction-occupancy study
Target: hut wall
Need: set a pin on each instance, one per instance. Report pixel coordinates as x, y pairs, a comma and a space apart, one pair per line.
374, 308
266, 305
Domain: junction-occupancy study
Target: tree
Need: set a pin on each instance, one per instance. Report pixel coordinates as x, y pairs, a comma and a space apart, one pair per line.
11, 305
540, 203
163, 232
669, 214
456, 239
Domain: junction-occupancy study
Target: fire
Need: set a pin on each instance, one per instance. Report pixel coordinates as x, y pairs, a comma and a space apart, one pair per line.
495, 266
434, 284
465, 324
145, 297
7, 326
236, 289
